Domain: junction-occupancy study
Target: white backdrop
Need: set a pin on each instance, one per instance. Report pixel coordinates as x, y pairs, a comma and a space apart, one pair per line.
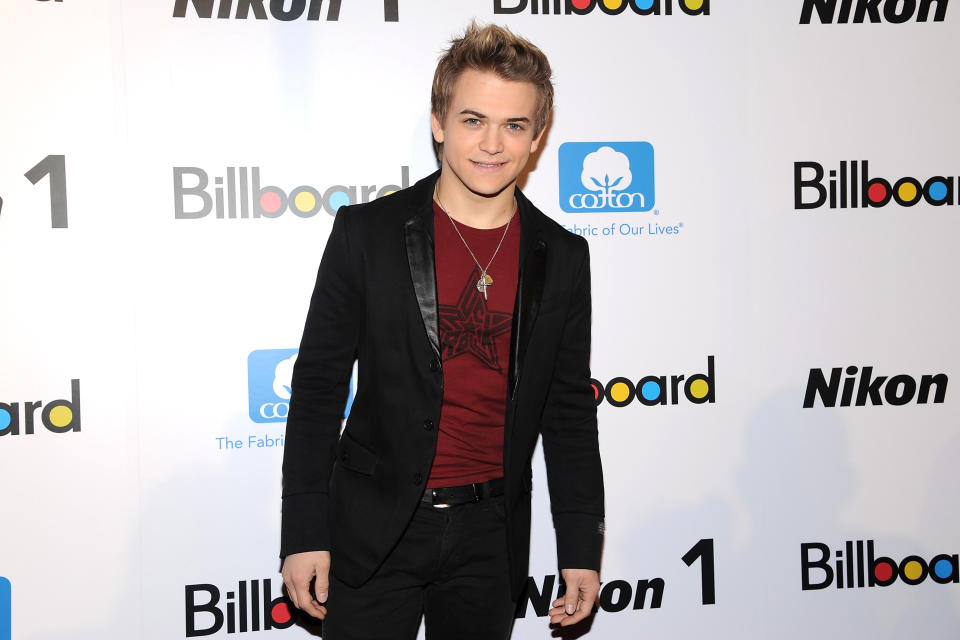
149, 507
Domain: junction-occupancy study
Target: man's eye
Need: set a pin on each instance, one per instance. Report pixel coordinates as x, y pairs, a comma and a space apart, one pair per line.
472, 121
515, 126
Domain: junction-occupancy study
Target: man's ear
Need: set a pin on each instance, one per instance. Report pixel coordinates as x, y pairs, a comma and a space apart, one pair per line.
436, 127
536, 141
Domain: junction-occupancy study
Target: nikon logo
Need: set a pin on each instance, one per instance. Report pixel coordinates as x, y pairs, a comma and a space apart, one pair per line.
285, 10
896, 390
895, 11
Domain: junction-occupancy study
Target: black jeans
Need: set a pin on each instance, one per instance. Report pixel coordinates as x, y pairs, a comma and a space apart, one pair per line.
450, 566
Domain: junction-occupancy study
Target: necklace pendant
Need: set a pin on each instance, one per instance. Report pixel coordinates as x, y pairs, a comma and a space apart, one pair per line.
485, 281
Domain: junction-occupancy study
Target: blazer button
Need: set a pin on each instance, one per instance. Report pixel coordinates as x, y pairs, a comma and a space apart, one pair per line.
428, 424
434, 365
417, 478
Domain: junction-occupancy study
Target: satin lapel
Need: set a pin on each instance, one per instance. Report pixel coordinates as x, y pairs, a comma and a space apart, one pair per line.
533, 267
418, 234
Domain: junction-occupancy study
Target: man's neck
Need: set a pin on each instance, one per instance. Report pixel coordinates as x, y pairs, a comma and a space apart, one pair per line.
471, 209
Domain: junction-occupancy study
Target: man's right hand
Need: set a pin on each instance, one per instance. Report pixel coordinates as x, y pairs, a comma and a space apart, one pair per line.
298, 570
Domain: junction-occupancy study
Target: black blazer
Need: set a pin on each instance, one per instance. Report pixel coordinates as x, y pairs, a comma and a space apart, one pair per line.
375, 300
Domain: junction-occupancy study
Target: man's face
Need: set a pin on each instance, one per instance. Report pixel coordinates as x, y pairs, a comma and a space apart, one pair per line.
487, 134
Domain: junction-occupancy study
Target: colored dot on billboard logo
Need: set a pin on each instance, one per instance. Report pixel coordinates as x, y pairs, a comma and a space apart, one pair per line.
883, 571
693, 5
596, 396
280, 613
699, 389
270, 201
938, 191
912, 570
877, 192
613, 5
305, 201
650, 390
907, 192
643, 5
339, 199
60, 416
5, 419
581, 4
619, 392
943, 569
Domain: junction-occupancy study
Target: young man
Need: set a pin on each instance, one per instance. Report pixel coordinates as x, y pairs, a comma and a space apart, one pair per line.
469, 312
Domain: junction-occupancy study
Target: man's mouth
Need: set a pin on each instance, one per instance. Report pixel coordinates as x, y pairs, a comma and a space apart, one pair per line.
488, 165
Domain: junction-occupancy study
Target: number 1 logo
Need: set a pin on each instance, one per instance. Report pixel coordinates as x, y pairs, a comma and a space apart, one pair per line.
55, 167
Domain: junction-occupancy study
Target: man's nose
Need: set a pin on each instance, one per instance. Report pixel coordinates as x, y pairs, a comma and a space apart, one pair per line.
492, 141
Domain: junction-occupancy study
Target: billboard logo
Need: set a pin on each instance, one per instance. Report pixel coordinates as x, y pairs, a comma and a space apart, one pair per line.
600, 177
896, 390
851, 569
269, 375
278, 9
653, 390
241, 196
251, 607
852, 187
59, 416
894, 11
583, 7
6, 610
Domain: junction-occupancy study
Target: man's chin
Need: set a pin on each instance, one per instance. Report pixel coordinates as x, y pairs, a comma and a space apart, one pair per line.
490, 192
490, 188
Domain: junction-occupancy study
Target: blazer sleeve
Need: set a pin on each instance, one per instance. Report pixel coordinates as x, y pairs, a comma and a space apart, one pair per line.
570, 442
321, 378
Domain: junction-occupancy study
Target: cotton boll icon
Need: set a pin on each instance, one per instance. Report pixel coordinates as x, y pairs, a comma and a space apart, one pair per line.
606, 169
282, 377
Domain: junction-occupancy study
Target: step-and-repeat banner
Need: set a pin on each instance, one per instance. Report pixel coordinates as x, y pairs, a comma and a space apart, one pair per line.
770, 194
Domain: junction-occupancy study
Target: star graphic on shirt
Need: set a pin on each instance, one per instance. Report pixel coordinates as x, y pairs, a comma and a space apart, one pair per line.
470, 326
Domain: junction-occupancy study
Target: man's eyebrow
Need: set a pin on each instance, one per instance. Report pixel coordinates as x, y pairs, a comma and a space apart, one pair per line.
477, 114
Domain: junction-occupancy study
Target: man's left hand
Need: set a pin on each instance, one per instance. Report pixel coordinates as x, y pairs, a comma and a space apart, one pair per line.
583, 587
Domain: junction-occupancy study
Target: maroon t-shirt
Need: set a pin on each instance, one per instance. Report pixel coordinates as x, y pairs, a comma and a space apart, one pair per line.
475, 348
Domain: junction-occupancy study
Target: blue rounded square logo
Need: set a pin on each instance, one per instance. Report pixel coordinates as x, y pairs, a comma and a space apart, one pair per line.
606, 177
269, 376
269, 372
6, 610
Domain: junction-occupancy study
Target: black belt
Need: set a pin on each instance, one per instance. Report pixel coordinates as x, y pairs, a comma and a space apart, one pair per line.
464, 494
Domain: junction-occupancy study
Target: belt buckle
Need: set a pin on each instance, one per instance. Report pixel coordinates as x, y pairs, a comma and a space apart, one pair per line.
477, 491
433, 503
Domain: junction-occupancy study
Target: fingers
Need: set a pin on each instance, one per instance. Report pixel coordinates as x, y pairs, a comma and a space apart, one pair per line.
298, 571
307, 602
291, 592
321, 586
571, 599
583, 587
558, 612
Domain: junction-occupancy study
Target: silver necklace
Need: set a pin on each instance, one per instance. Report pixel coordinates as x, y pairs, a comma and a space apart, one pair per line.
485, 279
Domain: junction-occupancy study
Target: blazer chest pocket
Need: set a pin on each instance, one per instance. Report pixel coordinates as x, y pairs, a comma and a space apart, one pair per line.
355, 456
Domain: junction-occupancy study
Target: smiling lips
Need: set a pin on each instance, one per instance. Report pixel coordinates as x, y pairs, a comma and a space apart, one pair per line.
488, 165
